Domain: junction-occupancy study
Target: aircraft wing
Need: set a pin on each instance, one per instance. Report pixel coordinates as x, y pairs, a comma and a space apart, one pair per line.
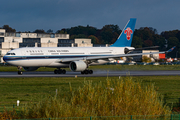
110, 56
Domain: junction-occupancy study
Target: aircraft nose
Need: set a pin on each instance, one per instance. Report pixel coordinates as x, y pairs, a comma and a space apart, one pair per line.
5, 58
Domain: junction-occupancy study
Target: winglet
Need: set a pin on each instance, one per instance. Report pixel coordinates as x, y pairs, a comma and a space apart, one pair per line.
170, 50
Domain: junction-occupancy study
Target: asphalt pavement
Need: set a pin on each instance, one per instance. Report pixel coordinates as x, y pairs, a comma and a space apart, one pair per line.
95, 74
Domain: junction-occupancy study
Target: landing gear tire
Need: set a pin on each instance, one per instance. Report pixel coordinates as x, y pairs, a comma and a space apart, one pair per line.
55, 71
90, 71
59, 71
19, 72
63, 71
87, 72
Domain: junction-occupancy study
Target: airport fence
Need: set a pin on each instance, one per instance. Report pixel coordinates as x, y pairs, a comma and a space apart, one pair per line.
129, 117
10, 107
173, 116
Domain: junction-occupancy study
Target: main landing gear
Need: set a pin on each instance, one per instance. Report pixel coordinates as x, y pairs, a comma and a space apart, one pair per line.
59, 71
87, 72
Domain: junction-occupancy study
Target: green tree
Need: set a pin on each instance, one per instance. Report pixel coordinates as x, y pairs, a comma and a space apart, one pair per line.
49, 31
178, 35
8, 29
78, 36
94, 39
82, 30
146, 34
148, 43
39, 31
109, 33
159, 41
146, 59
168, 34
137, 42
62, 31
173, 41
107, 36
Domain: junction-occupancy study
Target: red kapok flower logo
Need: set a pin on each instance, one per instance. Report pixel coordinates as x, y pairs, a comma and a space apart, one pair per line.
128, 33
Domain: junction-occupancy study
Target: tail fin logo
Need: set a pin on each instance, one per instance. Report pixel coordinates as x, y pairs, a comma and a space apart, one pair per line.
128, 33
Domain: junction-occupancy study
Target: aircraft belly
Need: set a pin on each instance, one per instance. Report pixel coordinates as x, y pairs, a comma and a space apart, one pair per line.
32, 63
58, 64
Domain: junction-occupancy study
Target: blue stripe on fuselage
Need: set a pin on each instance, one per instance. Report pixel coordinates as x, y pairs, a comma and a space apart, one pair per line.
16, 58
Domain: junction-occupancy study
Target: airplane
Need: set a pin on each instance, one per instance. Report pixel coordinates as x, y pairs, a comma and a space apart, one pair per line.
78, 59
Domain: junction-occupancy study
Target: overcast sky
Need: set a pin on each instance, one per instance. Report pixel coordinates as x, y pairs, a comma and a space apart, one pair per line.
29, 15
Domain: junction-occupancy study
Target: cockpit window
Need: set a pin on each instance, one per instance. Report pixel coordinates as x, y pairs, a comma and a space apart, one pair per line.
10, 54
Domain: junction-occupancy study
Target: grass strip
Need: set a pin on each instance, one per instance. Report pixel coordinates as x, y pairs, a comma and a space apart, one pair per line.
34, 89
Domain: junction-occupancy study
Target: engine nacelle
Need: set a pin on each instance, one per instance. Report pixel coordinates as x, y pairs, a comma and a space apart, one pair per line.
77, 66
30, 68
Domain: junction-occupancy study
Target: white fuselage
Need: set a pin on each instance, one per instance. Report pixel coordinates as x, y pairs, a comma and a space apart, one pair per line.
52, 56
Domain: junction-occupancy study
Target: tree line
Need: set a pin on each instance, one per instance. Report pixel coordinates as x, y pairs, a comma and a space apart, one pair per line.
143, 37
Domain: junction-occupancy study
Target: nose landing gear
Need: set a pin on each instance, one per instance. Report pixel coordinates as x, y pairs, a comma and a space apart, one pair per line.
19, 70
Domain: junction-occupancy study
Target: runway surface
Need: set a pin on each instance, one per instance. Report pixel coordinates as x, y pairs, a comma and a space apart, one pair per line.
95, 74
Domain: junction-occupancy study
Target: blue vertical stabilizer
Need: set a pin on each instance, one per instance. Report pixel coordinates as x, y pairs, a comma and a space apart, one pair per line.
125, 38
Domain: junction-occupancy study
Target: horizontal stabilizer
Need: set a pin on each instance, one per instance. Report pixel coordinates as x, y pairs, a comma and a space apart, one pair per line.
152, 47
170, 50
137, 49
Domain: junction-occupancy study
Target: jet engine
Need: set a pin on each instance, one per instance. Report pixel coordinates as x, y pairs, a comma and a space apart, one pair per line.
30, 68
77, 66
